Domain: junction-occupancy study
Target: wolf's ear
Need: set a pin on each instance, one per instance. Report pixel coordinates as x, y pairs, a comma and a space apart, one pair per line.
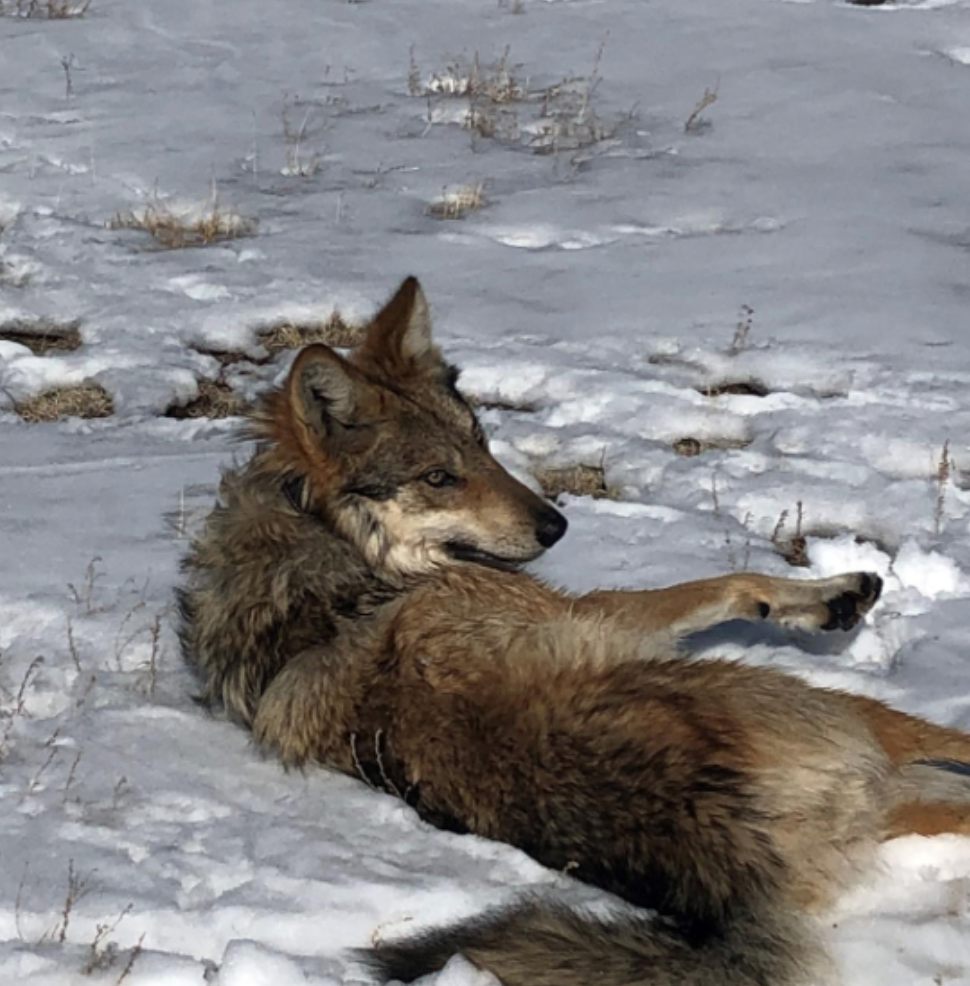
398, 339
329, 398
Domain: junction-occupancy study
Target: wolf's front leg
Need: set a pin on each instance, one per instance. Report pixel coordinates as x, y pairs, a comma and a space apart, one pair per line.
308, 710
837, 603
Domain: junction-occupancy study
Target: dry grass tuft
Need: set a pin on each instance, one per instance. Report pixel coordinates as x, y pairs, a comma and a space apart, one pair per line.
456, 203
792, 547
579, 480
561, 116
47, 10
216, 400
84, 400
568, 121
42, 336
175, 231
496, 83
332, 331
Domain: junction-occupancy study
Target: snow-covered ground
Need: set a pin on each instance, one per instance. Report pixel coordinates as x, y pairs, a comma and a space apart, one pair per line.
805, 241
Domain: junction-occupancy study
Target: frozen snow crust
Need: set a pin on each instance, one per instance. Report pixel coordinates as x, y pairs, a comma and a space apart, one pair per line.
755, 327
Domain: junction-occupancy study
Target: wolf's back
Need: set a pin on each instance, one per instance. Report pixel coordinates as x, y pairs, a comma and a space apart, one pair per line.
537, 943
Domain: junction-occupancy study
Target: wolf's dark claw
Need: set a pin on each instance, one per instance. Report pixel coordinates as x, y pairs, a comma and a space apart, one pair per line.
848, 608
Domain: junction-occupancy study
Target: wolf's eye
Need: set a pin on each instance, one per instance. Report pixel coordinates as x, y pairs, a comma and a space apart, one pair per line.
439, 478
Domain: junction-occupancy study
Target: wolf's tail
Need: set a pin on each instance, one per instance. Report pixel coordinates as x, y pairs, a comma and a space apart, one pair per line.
537, 943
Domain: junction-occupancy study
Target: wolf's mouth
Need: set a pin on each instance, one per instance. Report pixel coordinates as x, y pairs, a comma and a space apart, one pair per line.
467, 552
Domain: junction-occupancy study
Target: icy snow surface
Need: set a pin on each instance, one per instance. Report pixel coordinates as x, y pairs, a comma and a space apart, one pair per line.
597, 303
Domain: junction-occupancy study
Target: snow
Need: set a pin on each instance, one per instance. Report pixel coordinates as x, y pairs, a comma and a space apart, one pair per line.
597, 302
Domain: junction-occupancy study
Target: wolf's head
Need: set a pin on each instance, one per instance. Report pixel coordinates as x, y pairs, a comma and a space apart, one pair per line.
384, 447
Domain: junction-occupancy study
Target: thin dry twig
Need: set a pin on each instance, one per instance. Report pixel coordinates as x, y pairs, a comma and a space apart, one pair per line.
132, 959
71, 774
695, 122
72, 645
298, 165
53, 749
67, 63
742, 330
944, 472
18, 907
793, 549
84, 596
76, 889
102, 954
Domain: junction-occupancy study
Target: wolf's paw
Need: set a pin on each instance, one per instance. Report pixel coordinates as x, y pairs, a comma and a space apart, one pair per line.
848, 607
837, 603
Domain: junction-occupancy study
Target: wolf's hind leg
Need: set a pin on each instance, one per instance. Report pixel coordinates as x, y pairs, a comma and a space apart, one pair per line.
809, 604
908, 739
928, 818
931, 779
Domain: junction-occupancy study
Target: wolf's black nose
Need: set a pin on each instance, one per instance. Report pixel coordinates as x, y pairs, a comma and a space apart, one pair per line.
550, 527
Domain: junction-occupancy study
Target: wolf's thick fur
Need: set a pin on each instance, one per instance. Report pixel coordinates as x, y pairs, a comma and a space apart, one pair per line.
355, 599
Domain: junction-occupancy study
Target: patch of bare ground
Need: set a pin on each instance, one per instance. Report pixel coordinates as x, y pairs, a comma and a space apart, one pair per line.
578, 480
174, 230
84, 400
42, 336
689, 447
47, 10
331, 331
229, 357
499, 404
746, 388
216, 400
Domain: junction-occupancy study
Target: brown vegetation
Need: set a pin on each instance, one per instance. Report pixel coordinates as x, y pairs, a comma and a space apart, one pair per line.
42, 336
85, 400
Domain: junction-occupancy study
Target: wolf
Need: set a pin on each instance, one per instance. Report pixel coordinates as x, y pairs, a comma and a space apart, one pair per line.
357, 600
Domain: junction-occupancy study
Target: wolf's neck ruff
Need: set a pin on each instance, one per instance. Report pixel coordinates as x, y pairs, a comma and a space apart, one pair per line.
371, 474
